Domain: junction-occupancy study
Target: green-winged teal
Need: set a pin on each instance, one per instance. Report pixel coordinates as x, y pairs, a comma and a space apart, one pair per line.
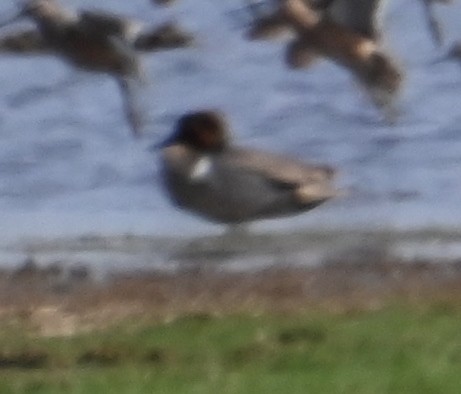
207, 175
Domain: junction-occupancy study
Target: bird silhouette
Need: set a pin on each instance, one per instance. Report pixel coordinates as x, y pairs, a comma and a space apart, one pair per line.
94, 41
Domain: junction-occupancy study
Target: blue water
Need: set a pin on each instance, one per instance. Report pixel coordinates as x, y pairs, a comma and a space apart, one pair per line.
70, 169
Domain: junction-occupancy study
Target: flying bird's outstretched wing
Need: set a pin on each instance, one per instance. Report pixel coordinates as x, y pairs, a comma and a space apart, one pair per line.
362, 16
103, 23
432, 22
129, 90
130, 84
26, 41
168, 35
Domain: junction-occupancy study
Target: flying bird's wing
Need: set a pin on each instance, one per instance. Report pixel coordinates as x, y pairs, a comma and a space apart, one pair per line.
299, 54
130, 83
362, 16
129, 90
163, 2
267, 20
166, 36
103, 23
27, 41
433, 24
268, 26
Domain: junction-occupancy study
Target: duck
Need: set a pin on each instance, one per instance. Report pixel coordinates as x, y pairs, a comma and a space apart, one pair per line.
204, 173
94, 41
273, 24
355, 47
348, 32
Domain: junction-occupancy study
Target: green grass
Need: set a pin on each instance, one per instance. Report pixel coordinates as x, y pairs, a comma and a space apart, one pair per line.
394, 350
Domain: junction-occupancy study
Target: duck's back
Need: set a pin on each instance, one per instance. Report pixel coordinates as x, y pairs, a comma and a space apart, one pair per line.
240, 185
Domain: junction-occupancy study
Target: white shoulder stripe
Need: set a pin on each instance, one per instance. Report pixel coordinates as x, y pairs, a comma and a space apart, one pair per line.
201, 170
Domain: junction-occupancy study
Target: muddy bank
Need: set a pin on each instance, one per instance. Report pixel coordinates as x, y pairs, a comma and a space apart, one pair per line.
58, 300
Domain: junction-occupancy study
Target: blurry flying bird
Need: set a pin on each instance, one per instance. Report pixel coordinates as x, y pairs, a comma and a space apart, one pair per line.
347, 32
94, 41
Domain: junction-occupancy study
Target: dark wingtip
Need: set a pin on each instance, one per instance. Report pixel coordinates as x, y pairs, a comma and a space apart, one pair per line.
329, 171
268, 27
23, 42
167, 36
164, 3
454, 53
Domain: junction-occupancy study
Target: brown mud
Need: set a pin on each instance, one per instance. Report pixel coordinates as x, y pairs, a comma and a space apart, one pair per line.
59, 301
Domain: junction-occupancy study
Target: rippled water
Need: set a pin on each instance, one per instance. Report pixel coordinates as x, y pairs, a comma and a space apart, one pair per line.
69, 167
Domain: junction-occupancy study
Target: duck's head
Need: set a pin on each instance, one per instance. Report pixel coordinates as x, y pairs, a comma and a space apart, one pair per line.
204, 131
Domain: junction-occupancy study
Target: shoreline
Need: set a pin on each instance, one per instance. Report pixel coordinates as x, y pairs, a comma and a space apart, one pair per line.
58, 301
238, 252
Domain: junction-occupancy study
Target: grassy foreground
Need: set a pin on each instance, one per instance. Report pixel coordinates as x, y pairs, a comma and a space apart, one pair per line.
398, 349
